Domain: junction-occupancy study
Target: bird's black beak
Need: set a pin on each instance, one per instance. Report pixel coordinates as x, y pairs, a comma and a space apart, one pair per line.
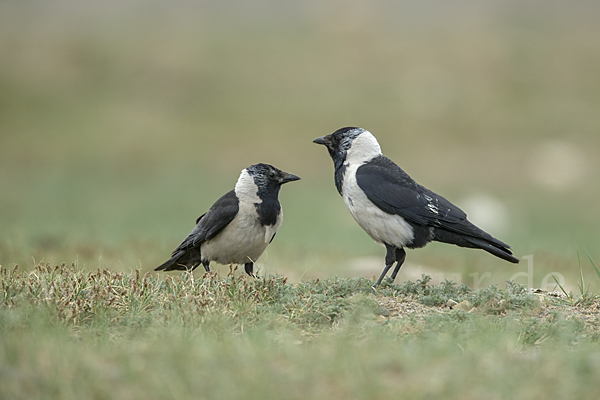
285, 178
324, 140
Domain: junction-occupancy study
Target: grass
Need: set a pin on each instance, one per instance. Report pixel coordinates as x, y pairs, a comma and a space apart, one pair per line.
584, 293
68, 333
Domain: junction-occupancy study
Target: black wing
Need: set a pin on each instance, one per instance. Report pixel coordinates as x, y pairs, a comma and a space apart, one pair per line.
395, 192
220, 214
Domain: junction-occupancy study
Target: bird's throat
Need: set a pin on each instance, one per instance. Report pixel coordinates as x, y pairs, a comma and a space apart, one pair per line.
340, 171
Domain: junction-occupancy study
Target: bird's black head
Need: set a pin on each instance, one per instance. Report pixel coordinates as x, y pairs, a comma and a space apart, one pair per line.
260, 184
349, 146
339, 142
265, 175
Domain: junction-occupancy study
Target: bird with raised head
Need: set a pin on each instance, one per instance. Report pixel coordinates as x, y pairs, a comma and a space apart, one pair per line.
392, 208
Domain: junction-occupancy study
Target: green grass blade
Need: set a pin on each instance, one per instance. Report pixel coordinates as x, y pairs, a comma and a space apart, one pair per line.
581, 282
593, 264
562, 289
582, 288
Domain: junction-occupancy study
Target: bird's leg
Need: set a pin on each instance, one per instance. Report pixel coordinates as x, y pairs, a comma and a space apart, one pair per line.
390, 258
205, 265
249, 267
400, 257
383, 273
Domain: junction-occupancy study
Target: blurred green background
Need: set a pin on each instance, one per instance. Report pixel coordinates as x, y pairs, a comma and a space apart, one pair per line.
123, 121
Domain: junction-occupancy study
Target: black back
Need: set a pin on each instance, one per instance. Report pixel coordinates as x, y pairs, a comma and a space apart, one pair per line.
395, 192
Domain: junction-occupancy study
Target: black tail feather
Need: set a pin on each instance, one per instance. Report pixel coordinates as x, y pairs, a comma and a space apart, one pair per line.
176, 263
499, 251
170, 265
484, 242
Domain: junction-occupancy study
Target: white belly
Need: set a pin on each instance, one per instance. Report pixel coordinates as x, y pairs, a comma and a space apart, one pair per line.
243, 240
381, 226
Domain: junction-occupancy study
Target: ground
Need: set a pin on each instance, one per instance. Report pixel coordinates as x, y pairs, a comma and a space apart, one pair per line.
69, 333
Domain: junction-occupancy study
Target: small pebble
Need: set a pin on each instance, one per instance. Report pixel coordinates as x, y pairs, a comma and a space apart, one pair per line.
382, 311
464, 306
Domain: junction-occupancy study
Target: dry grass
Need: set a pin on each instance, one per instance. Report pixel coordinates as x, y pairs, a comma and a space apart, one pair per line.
79, 297
69, 333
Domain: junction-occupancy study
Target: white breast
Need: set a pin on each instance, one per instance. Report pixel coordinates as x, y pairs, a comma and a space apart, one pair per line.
243, 240
381, 226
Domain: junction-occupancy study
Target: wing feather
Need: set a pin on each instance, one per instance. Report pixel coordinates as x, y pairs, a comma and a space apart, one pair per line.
395, 192
220, 214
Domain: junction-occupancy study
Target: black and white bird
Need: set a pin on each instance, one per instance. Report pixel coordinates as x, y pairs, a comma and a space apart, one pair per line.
239, 226
392, 208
